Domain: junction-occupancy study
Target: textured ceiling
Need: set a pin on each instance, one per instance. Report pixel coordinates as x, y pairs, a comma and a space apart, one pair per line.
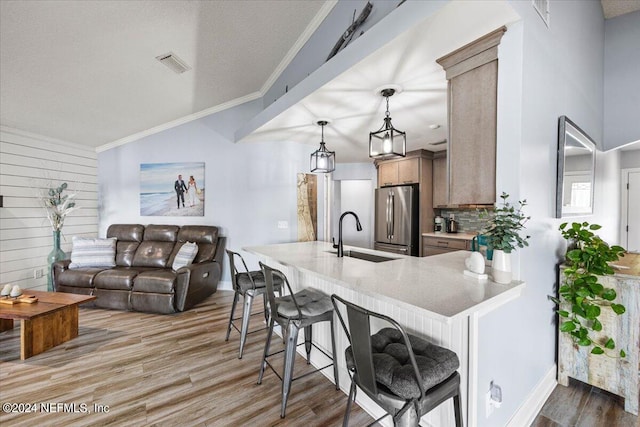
613, 8
85, 71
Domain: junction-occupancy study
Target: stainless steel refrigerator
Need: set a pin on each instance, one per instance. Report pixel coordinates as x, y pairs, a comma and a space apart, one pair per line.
396, 217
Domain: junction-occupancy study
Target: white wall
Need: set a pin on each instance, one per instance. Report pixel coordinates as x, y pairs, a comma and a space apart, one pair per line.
621, 82
630, 159
28, 164
544, 73
354, 174
249, 187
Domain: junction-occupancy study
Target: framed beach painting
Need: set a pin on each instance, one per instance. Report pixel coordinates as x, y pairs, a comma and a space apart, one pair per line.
172, 189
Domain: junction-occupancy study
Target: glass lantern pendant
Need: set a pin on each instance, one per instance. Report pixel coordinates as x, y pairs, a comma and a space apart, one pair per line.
323, 160
387, 141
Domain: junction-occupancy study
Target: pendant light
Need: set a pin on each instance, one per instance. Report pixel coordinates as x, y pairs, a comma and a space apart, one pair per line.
387, 141
323, 160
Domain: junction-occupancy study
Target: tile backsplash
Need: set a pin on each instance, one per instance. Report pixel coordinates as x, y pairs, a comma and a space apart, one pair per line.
469, 220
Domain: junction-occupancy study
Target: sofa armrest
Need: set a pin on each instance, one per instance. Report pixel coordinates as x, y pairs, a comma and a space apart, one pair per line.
195, 282
56, 269
219, 257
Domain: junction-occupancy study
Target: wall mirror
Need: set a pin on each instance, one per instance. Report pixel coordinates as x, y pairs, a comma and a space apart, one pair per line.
576, 170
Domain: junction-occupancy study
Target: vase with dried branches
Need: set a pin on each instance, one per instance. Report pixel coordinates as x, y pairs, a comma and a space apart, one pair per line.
57, 205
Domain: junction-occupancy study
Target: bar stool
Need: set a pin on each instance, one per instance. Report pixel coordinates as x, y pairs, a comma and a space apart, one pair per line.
405, 375
247, 284
294, 312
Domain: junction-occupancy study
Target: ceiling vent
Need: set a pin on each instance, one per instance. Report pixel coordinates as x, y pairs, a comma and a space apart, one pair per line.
174, 63
542, 7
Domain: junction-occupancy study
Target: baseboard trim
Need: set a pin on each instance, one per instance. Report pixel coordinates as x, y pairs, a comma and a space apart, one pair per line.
528, 411
225, 285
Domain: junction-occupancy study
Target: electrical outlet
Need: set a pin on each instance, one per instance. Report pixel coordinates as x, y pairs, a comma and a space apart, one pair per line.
283, 224
493, 398
488, 406
37, 273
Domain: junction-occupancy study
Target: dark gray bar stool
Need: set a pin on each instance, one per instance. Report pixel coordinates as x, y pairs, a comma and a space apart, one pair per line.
404, 374
247, 284
294, 312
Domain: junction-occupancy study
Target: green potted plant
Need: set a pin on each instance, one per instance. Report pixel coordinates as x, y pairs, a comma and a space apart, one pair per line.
503, 234
582, 297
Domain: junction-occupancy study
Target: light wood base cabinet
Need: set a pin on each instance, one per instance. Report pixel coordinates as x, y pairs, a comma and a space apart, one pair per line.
432, 245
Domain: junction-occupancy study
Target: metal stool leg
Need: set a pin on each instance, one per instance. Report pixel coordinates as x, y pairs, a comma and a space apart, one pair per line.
289, 359
308, 336
267, 344
335, 359
457, 410
233, 312
246, 316
352, 397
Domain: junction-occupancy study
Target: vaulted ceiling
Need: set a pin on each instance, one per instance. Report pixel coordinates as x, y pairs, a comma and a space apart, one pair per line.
86, 72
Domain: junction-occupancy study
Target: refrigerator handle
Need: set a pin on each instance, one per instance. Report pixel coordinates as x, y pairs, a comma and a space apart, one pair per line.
388, 214
392, 209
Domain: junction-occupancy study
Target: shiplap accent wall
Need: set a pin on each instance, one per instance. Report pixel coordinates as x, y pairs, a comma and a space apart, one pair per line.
29, 163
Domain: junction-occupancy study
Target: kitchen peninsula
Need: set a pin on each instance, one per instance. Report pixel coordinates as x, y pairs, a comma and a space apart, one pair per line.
430, 297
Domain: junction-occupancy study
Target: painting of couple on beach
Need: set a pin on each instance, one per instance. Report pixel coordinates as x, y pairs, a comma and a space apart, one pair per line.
172, 189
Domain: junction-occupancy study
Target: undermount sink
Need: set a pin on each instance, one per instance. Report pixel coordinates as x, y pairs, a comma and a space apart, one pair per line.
365, 256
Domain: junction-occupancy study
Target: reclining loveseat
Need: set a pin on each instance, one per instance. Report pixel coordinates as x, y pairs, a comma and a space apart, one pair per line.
142, 278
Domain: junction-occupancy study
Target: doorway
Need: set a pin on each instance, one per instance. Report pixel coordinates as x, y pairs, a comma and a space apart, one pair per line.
630, 224
353, 195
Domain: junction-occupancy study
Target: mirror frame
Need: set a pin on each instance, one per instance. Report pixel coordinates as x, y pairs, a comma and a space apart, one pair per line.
564, 127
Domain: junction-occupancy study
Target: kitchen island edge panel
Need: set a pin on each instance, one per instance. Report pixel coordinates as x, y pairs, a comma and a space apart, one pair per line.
379, 287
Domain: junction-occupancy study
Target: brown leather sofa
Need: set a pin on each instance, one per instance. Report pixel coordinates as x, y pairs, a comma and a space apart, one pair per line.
142, 279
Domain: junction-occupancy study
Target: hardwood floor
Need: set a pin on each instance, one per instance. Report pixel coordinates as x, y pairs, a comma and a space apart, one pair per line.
161, 370
582, 405
177, 370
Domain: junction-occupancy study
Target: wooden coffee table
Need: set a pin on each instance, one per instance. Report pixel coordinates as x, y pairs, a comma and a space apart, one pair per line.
46, 323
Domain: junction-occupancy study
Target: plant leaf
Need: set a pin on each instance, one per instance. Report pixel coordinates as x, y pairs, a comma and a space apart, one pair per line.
567, 326
584, 342
618, 308
609, 294
610, 344
622, 353
597, 350
593, 311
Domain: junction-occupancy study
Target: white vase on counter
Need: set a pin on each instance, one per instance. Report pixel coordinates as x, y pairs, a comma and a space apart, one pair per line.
501, 267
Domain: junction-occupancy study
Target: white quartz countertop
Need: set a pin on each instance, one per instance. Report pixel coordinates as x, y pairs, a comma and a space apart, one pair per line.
435, 284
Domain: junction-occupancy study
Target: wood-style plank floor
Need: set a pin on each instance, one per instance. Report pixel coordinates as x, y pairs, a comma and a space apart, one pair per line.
581, 405
161, 370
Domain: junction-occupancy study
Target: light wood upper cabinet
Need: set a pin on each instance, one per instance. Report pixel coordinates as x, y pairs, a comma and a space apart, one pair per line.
387, 174
440, 181
472, 72
399, 172
409, 171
